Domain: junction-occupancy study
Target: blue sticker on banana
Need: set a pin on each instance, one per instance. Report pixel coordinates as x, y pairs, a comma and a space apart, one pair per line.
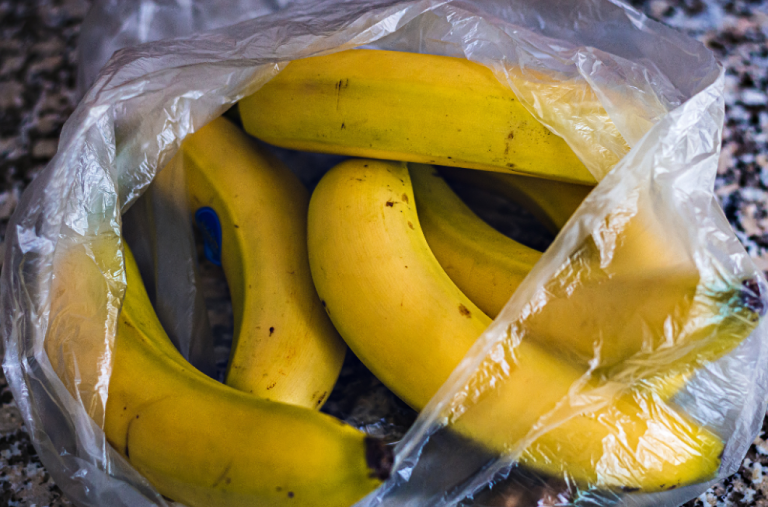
208, 222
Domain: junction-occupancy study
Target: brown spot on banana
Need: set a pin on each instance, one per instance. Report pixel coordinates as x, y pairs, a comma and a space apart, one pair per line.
223, 476
342, 84
128, 434
139, 408
465, 311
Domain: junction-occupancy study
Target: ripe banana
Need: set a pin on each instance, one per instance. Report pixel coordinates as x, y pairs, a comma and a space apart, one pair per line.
646, 302
200, 442
406, 106
551, 202
408, 322
284, 348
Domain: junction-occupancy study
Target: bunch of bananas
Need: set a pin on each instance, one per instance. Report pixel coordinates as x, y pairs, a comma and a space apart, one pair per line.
387, 256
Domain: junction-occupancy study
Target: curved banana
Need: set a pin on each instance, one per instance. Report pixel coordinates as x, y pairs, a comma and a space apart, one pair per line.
484, 264
645, 302
200, 442
285, 347
551, 202
408, 322
380, 283
488, 267
406, 106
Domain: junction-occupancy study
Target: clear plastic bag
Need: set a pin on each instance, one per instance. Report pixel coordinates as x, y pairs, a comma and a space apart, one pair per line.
641, 105
116, 24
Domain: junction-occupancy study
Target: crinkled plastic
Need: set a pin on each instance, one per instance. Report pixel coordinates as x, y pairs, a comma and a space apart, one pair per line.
641, 105
116, 24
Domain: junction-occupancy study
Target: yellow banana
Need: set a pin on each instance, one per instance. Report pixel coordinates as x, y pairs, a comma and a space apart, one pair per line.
638, 305
488, 267
634, 305
197, 441
551, 202
408, 322
284, 348
639, 297
379, 282
406, 106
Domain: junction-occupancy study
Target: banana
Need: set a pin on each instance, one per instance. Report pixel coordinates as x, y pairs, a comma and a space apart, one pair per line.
406, 106
284, 348
380, 283
487, 267
484, 264
408, 322
551, 202
197, 441
646, 302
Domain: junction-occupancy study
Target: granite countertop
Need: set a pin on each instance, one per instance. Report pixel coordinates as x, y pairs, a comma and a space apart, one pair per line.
37, 93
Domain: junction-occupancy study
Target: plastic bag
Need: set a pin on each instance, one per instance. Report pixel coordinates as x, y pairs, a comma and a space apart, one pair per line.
116, 24
597, 73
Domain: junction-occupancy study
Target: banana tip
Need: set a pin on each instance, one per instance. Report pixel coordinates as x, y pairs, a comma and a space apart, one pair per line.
379, 457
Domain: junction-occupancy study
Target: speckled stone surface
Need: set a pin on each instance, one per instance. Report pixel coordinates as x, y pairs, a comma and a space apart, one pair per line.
37, 69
